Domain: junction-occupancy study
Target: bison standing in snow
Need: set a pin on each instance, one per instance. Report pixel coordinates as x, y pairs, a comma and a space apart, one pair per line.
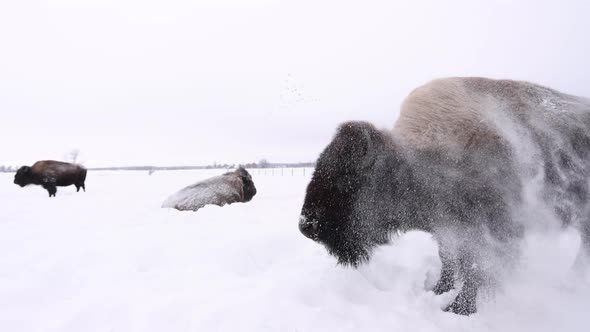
231, 187
50, 174
466, 161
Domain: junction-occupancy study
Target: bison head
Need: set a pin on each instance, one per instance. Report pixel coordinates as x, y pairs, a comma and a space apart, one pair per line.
249, 188
23, 176
348, 203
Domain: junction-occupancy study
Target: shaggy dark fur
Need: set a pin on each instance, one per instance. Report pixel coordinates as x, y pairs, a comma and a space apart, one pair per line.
468, 191
50, 174
248, 185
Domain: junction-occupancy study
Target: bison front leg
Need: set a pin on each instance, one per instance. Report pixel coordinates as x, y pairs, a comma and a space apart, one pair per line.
470, 273
51, 189
584, 252
49, 185
446, 282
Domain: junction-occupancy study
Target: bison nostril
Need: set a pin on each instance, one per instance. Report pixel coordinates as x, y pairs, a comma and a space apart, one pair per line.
309, 228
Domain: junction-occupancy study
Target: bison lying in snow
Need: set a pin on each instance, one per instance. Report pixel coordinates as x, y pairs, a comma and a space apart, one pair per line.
470, 160
231, 187
50, 174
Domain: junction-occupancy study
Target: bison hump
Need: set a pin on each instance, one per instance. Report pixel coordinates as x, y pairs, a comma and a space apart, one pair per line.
55, 167
444, 113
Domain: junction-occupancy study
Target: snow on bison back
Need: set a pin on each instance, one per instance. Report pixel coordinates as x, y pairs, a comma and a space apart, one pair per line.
457, 164
231, 187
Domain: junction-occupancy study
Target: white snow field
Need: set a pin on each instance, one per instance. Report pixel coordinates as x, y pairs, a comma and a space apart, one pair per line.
112, 260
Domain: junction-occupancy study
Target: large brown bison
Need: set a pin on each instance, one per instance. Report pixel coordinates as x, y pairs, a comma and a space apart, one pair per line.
231, 187
50, 174
476, 162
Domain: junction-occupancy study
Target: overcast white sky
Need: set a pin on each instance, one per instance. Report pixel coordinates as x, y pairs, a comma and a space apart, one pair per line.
178, 82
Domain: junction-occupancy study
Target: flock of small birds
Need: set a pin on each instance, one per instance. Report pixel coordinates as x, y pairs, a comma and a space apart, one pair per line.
293, 94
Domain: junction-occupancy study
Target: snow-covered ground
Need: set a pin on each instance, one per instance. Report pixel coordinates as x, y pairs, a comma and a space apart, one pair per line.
112, 260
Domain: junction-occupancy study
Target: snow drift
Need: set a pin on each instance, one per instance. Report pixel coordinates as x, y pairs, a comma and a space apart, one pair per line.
113, 260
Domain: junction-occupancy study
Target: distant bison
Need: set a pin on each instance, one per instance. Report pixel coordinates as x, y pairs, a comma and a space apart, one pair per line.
473, 161
231, 187
51, 174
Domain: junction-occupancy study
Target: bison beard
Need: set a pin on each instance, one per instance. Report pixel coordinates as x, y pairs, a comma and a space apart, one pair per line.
456, 166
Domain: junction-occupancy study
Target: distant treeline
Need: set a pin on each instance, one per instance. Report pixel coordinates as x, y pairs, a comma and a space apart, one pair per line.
261, 164
214, 166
